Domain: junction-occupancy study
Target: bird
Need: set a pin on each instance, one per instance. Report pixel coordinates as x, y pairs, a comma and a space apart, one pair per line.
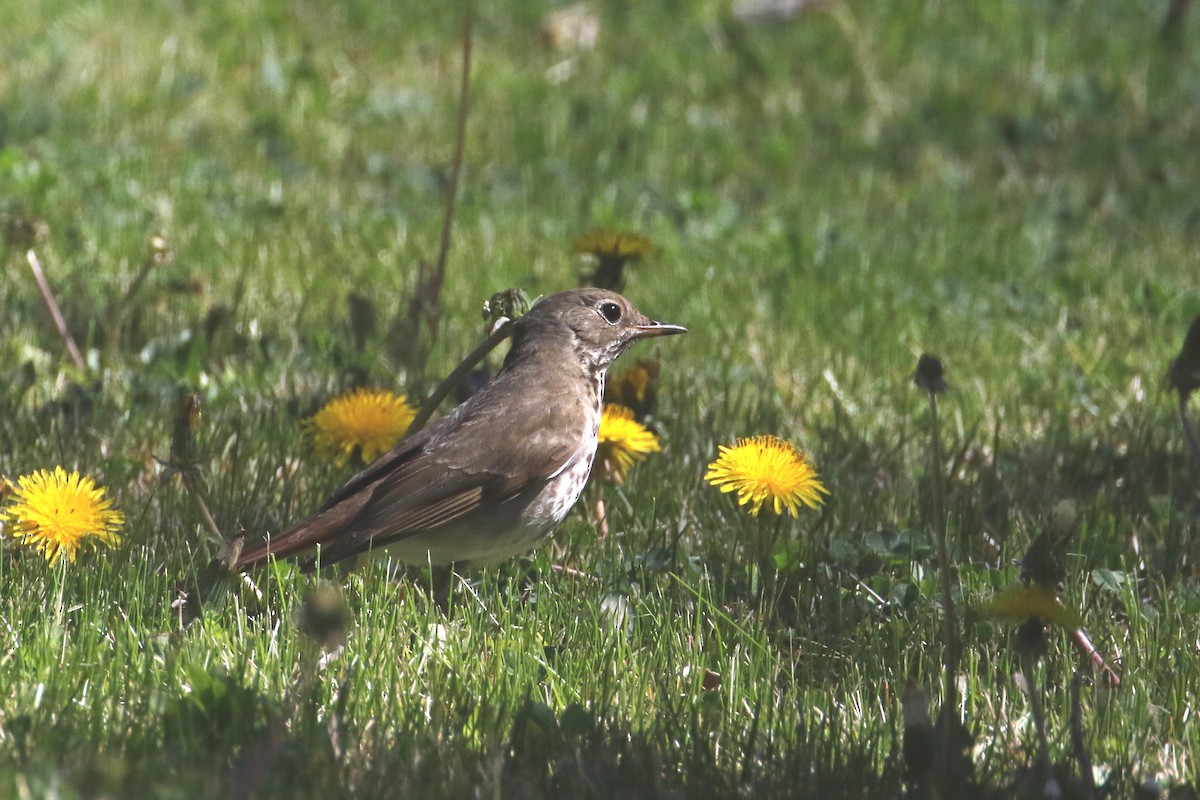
493, 478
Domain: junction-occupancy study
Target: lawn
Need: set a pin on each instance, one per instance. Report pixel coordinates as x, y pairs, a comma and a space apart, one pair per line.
233, 199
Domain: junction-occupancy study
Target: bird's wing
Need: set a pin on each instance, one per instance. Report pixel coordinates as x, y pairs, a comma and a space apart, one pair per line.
482, 459
442, 474
419, 499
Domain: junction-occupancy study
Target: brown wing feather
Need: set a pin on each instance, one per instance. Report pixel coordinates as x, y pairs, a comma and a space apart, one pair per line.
438, 476
387, 464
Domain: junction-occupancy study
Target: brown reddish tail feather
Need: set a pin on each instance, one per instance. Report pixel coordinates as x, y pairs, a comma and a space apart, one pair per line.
338, 513
303, 536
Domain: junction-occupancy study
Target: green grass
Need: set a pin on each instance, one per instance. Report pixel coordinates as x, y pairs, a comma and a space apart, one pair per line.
1008, 185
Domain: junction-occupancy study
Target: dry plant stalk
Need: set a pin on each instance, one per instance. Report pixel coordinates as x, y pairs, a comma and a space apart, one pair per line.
499, 333
425, 307
1087, 781
55, 312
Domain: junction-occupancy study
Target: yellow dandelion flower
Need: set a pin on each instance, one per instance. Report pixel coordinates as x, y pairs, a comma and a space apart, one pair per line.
623, 441
56, 512
1022, 602
370, 421
767, 468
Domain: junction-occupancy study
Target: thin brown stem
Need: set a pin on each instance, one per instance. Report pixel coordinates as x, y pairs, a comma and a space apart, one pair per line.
499, 333
418, 327
117, 314
192, 483
55, 312
880, 603
460, 144
1085, 646
571, 572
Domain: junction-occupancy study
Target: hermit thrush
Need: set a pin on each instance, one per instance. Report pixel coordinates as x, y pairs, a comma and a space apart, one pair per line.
493, 477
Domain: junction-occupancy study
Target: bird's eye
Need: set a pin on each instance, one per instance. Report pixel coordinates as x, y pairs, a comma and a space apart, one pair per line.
611, 312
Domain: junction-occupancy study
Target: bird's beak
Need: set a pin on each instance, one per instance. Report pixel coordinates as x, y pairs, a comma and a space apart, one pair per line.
657, 329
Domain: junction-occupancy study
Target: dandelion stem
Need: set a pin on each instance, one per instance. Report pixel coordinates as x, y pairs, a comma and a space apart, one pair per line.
946, 576
601, 514
939, 527
1028, 664
60, 588
55, 312
1082, 758
499, 333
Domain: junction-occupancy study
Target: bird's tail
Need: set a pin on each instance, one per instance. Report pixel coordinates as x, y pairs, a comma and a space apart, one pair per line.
300, 537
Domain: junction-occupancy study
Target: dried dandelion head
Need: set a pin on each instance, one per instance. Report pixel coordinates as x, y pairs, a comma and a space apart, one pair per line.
930, 374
